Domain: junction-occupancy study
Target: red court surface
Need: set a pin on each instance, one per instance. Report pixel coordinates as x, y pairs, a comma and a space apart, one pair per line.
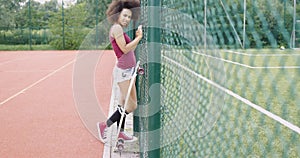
38, 114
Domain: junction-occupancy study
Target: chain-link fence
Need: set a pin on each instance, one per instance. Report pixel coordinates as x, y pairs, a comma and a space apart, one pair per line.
229, 85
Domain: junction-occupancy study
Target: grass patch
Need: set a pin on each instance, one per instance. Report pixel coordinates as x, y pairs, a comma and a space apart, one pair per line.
45, 47
25, 47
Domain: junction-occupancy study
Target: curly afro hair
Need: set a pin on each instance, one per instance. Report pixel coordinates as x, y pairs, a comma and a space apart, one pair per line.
116, 6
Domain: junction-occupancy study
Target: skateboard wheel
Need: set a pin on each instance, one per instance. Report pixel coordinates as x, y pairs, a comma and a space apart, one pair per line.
120, 144
141, 71
120, 147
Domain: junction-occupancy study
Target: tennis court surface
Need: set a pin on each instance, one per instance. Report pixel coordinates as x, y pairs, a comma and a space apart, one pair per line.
38, 115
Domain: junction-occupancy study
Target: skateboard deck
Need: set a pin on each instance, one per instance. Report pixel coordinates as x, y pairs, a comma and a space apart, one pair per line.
132, 147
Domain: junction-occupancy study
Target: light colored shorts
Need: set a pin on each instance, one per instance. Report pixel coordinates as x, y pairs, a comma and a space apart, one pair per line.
121, 75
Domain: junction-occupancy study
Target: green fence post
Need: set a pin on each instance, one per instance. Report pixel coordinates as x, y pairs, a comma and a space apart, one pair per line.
30, 27
63, 23
154, 76
97, 21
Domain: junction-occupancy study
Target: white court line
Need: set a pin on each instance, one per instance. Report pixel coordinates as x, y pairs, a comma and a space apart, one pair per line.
21, 71
229, 92
247, 54
23, 58
37, 82
248, 66
13, 60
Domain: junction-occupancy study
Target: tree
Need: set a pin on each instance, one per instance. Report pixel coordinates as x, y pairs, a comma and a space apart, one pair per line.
96, 11
48, 9
8, 10
72, 24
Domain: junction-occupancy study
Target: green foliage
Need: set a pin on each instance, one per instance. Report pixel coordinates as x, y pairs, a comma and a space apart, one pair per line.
25, 47
265, 27
22, 22
68, 27
22, 36
96, 11
8, 10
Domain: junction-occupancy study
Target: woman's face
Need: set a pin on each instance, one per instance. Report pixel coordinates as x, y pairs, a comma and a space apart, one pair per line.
125, 17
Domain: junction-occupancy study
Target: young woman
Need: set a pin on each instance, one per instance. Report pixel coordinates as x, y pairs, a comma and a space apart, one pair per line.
120, 13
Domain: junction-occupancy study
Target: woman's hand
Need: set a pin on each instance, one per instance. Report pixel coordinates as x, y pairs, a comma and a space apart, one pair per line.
139, 32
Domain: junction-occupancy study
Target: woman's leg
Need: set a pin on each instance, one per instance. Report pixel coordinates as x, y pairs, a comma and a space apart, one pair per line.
132, 101
116, 116
131, 106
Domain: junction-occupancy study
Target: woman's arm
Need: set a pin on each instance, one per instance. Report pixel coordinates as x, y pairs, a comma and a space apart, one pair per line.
117, 33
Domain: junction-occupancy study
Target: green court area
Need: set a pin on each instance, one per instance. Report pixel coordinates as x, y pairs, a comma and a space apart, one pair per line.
234, 102
268, 78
